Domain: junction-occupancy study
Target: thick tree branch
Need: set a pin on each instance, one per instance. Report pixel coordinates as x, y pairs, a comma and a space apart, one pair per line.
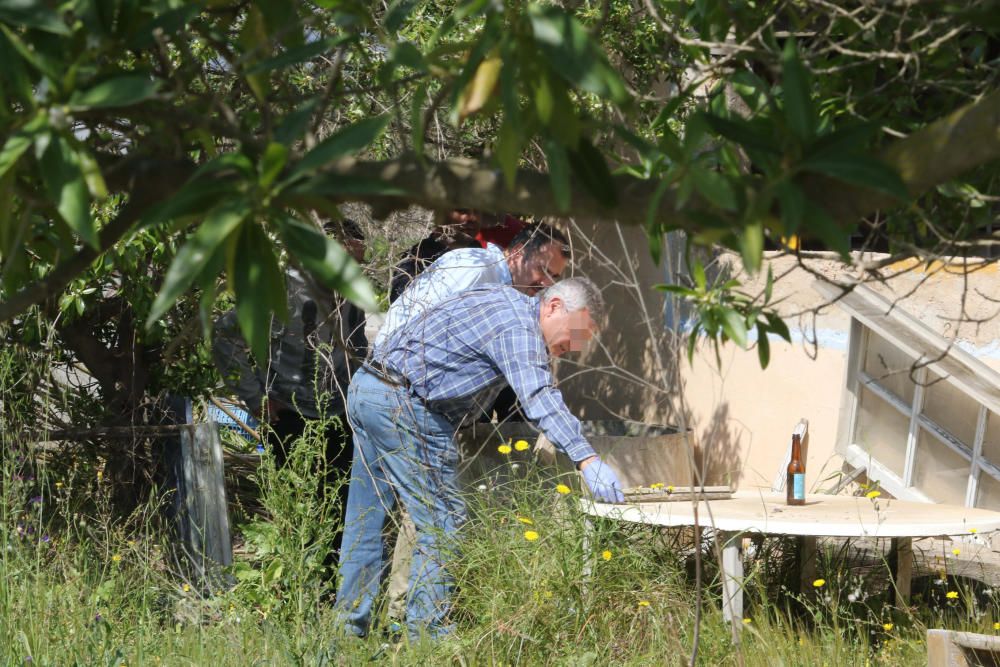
933, 155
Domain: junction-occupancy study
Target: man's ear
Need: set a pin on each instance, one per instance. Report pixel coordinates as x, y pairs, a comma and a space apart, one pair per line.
553, 305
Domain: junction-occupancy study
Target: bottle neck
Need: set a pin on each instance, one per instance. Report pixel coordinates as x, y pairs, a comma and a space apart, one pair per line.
796, 448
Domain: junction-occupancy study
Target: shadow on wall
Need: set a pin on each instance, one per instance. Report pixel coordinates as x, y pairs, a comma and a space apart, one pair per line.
631, 371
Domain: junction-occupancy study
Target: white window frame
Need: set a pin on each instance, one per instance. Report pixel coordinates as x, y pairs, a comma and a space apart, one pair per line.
871, 312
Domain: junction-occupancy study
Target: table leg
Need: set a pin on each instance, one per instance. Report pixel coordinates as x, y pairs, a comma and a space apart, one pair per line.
902, 547
807, 564
588, 542
732, 576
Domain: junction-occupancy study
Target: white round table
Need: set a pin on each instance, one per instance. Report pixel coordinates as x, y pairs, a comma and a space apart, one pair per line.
822, 516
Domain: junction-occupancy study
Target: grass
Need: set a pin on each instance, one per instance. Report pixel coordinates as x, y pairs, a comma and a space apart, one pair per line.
80, 584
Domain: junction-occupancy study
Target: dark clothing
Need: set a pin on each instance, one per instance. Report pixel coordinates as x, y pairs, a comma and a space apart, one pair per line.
312, 358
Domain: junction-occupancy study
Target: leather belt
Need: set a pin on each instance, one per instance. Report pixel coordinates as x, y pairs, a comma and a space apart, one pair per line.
386, 375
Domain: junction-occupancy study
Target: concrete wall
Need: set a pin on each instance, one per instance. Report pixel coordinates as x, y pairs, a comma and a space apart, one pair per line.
742, 417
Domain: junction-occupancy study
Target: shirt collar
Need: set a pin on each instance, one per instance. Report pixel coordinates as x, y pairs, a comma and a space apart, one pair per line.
496, 254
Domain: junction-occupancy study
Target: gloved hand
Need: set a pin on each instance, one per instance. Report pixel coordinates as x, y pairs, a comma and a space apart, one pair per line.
602, 481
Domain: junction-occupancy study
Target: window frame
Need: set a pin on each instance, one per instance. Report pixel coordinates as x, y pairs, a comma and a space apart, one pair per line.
871, 312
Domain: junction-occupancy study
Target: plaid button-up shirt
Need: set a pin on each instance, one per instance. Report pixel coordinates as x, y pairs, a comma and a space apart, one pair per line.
457, 356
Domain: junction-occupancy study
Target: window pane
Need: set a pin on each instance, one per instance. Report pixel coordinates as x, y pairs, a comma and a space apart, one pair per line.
988, 496
881, 431
991, 441
890, 366
951, 409
939, 472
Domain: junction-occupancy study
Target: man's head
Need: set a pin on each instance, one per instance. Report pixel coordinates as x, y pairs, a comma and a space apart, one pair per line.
537, 256
459, 227
349, 234
569, 313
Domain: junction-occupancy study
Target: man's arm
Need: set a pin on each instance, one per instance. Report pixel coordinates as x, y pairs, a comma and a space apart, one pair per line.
522, 358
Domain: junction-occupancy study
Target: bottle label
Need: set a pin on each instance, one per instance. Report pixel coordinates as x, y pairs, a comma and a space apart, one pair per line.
799, 486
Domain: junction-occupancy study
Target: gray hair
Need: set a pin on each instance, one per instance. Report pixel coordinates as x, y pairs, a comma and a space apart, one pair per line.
576, 293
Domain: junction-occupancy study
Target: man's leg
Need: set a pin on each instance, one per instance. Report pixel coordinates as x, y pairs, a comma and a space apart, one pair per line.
370, 497
423, 473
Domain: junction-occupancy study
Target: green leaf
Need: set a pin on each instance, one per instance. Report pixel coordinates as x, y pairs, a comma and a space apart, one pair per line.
295, 124
336, 185
591, 168
752, 246
714, 187
66, 184
571, 51
799, 112
793, 206
194, 197
197, 252
778, 326
120, 91
698, 273
734, 326
559, 168
763, 346
258, 284
327, 261
845, 141
397, 14
417, 130
345, 141
271, 163
752, 135
860, 170
508, 152
18, 143
32, 14
654, 233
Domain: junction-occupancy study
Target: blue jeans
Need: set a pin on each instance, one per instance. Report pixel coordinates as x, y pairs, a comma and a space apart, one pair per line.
402, 451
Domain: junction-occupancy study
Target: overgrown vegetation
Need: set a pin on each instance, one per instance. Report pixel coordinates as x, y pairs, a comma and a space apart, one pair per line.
80, 584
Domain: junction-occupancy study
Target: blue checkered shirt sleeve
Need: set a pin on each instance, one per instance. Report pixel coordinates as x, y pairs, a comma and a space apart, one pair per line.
521, 356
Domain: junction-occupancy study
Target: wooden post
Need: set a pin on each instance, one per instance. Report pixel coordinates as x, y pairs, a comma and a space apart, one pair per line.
807, 565
194, 462
902, 549
732, 576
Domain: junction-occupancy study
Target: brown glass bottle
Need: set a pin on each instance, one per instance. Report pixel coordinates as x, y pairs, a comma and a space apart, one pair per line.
795, 485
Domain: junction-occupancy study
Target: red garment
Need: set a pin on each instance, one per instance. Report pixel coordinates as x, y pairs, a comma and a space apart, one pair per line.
502, 234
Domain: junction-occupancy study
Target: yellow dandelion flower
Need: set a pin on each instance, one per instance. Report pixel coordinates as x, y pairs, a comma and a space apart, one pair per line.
100, 475
643, 603
951, 595
819, 583
606, 554
871, 495
656, 485
59, 485
996, 626
117, 558
504, 449
530, 535
521, 445
956, 551
887, 626
973, 530
670, 489
131, 543
186, 588
526, 521
747, 621
562, 488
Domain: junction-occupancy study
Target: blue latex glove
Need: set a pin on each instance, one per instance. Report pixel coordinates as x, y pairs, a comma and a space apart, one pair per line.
603, 482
